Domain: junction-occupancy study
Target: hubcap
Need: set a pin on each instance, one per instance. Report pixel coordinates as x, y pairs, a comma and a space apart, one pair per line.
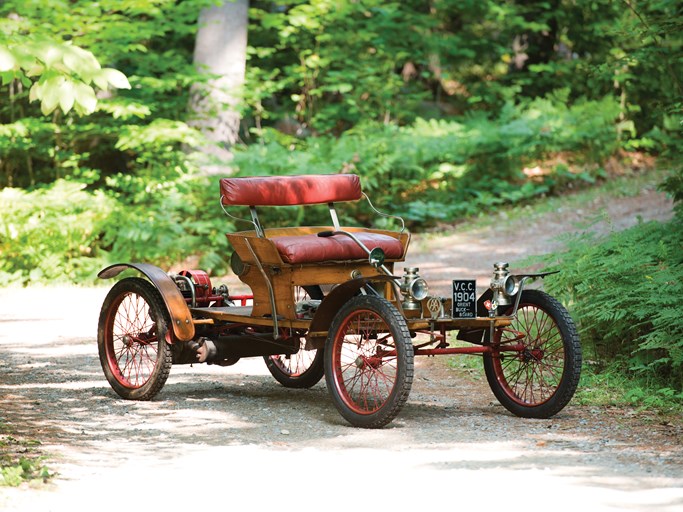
532, 355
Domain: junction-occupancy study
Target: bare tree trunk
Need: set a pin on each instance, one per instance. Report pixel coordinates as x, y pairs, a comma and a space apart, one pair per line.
221, 50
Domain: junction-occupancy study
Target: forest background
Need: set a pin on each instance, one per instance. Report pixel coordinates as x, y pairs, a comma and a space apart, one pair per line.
446, 108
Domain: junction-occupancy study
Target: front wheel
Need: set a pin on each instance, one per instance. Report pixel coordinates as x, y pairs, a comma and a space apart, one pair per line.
132, 339
369, 361
535, 365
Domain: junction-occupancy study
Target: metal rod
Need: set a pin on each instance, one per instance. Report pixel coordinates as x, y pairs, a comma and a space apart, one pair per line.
403, 224
363, 246
192, 288
257, 223
333, 214
466, 350
276, 331
256, 226
519, 296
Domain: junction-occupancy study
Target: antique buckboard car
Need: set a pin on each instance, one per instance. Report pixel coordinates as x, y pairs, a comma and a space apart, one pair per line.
326, 301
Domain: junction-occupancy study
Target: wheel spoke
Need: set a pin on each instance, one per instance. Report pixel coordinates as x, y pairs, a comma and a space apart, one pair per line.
366, 380
369, 361
133, 342
532, 376
132, 337
537, 375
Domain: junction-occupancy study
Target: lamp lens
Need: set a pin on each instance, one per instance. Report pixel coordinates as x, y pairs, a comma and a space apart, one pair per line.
419, 289
510, 285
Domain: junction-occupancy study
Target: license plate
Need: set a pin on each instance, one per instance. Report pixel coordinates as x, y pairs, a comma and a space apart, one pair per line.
464, 298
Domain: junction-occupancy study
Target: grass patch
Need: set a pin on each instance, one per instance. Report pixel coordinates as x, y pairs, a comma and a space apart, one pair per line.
21, 461
472, 364
612, 387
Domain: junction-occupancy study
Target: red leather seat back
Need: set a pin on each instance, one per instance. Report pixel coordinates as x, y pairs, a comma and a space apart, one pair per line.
290, 190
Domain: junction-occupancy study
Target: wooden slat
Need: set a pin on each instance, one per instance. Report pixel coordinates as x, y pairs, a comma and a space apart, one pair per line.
242, 315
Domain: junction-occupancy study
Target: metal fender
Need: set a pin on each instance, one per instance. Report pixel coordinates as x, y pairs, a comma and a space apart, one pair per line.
181, 318
333, 302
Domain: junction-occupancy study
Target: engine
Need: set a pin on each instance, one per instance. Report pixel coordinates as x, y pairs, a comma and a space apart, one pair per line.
195, 286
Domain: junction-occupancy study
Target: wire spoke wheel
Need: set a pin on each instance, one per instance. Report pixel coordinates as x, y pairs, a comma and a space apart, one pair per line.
133, 349
369, 361
301, 370
305, 368
536, 363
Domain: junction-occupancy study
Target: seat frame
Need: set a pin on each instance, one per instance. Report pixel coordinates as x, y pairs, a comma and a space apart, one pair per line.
258, 262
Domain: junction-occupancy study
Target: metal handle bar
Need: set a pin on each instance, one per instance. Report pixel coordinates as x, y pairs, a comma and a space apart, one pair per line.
325, 234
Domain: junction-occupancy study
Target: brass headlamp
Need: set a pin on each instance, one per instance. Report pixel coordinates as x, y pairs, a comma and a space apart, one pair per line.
414, 288
503, 285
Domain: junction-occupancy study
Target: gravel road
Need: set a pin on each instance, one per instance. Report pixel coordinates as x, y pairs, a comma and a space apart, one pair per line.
220, 437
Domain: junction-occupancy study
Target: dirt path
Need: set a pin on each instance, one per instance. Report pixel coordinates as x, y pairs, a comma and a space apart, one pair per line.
472, 252
218, 437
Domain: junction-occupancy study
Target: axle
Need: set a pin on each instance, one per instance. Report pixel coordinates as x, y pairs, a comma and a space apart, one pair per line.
467, 350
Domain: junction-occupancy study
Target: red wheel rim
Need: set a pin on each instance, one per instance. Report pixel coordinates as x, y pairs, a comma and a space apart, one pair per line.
131, 342
364, 362
531, 376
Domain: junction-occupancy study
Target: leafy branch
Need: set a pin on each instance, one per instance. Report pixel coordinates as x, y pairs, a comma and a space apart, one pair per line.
58, 74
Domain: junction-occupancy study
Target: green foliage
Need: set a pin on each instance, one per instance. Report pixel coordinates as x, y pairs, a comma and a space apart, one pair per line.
16, 469
648, 58
167, 221
65, 73
673, 184
63, 233
440, 106
318, 66
648, 398
330, 65
610, 385
119, 184
150, 41
26, 469
49, 234
442, 170
624, 292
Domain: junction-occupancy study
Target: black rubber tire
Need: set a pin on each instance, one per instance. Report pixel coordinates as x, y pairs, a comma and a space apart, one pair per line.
132, 339
303, 369
369, 388
541, 380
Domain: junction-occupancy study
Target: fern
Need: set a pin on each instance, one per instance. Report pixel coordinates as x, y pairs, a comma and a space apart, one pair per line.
625, 292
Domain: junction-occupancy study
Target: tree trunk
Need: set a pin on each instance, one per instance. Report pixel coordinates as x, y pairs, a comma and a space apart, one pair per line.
220, 50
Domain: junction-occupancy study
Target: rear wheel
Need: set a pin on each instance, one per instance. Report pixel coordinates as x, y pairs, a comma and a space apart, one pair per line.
305, 368
369, 361
301, 370
539, 380
132, 339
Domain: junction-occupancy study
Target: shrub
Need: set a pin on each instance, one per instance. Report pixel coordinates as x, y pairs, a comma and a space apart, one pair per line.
66, 233
441, 170
673, 184
51, 234
624, 292
167, 219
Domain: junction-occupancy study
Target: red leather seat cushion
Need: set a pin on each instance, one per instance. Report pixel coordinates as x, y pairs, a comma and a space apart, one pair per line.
315, 249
